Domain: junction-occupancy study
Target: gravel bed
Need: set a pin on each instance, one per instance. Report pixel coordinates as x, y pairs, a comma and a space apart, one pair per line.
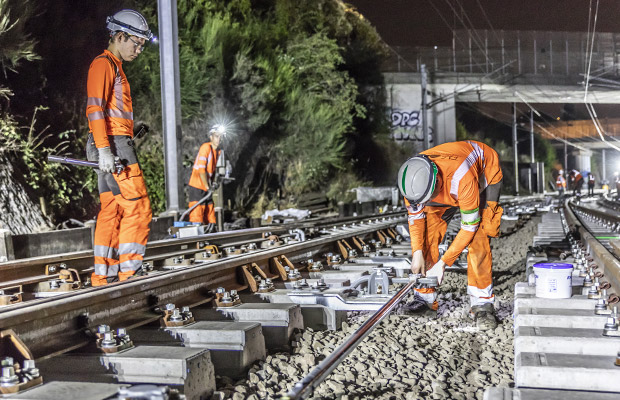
407, 356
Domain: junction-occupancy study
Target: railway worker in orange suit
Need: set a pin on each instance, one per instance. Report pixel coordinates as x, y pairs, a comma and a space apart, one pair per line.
576, 181
203, 179
560, 183
123, 223
458, 176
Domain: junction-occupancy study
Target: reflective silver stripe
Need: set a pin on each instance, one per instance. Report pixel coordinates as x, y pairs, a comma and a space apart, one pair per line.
130, 265
429, 298
484, 295
470, 217
416, 217
118, 93
106, 252
106, 270
95, 116
464, 168
95, 101
470, 228
200, 167
202, 158
131, 248
119, 114
210, 157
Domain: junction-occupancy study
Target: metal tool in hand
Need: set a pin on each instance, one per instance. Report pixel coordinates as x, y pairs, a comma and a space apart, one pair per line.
118, 165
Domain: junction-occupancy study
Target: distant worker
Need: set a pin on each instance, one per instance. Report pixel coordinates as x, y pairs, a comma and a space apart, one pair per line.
576, 181
203, 179
123, 223
560, 183
458, 176
591, 182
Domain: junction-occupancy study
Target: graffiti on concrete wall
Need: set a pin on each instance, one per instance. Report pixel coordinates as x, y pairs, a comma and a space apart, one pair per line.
407, 125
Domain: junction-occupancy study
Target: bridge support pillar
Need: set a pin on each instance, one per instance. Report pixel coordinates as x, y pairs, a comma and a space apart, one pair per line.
583, 160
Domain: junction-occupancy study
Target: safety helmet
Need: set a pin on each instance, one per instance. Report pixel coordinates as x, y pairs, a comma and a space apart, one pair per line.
417, 178
218, 128
129, 21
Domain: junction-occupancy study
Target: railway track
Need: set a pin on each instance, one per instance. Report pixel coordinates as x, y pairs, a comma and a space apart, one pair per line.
52, 326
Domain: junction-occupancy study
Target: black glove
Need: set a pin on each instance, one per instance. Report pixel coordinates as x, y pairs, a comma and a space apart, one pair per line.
215, 185
140, 129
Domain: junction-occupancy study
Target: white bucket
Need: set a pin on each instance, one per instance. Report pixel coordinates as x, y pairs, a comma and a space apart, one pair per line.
553, 280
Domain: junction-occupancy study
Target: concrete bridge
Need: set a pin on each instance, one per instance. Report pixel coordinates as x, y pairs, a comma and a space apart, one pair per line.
506, 67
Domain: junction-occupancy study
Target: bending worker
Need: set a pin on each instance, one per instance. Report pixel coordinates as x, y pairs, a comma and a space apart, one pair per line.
123, 222
576, 180
458, 176
203, 179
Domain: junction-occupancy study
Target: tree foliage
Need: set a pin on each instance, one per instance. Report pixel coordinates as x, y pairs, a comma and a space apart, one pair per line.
283, 74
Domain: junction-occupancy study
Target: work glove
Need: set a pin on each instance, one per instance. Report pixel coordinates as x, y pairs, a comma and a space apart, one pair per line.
140, 129
437, 270
106, 160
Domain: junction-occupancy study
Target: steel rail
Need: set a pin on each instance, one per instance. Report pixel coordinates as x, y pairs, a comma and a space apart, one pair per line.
304, 388
25, 269
601, 255
54, 325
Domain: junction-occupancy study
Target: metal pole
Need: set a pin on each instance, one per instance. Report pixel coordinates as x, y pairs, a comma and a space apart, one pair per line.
171, 102
514, 145
565, 156
304, 388
424, 113
604, 172
532, 158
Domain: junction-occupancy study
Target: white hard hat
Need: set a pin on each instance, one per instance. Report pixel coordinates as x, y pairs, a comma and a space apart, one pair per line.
561, 172
129, 21
417, 178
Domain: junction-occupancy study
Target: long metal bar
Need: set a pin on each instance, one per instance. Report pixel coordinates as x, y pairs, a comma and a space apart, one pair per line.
306, 386
171, 101
423, 76
73, 161
514, 146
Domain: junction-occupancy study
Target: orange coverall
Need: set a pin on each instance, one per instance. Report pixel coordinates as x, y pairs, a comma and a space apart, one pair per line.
206, 160
122, 226
470, 177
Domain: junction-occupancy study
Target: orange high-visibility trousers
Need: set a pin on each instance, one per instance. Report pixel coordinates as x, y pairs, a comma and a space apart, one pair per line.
479, 256
204, 213
123, 223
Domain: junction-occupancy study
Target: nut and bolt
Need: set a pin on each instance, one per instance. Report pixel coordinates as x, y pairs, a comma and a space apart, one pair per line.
176, 316
31, 369
220, 290
226, 298
8, 378
170, 307
103, 329
121, 332
108, 340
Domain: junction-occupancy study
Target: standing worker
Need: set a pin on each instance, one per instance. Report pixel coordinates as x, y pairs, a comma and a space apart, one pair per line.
560, 183
203, 179
458, 176
591, 182
123, 222
576, 181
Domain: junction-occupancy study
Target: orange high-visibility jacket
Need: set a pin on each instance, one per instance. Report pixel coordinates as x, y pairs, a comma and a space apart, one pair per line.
206, 161
560, 182
109, 109
464, 170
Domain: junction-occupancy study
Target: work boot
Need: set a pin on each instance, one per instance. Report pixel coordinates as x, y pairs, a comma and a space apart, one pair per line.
419, 306
484, 316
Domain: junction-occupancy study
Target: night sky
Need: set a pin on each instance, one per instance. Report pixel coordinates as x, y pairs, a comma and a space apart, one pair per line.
418, 23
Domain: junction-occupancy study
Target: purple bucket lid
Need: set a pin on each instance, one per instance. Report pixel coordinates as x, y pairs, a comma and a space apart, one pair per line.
553, 265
